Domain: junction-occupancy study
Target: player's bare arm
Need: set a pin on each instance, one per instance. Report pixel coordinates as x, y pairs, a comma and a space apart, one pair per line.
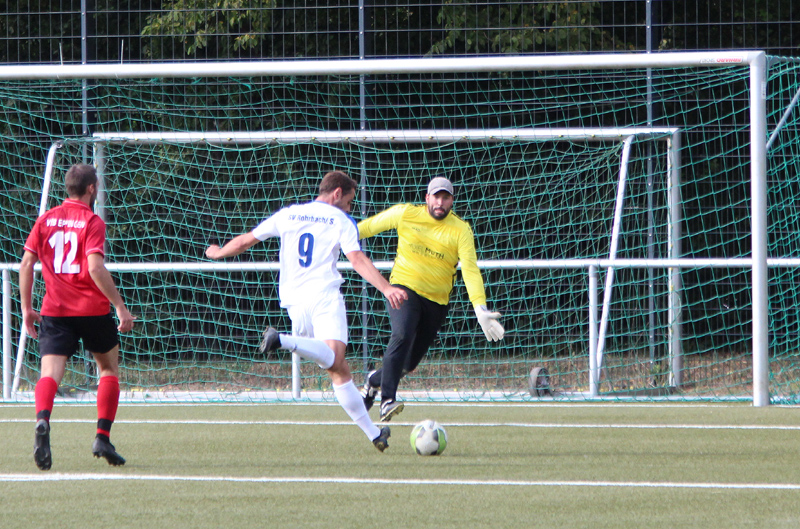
367, 270
102, 278
235, 246
29, 316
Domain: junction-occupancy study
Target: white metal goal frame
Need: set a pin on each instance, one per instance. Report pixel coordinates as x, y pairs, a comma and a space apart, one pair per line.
597, 328
757, 263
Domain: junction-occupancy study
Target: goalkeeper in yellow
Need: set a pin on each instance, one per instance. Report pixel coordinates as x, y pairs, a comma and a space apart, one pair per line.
431, 241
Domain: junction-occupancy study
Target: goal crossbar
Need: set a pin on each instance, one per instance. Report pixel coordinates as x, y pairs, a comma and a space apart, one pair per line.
387, 136
381, 66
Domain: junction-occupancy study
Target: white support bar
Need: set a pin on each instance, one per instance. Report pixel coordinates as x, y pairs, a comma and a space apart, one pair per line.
784, 119
674, 281
423, 136
487, 264
612, 252
594, 371
48, 174
758, 227
6, 335
378, 66
46, 180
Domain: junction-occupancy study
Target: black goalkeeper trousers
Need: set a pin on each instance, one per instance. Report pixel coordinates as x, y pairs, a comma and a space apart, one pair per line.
414, 327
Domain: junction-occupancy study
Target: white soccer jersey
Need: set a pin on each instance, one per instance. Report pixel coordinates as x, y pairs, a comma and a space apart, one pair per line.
312, 235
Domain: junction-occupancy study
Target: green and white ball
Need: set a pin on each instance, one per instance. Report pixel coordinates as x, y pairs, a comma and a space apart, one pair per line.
428, 438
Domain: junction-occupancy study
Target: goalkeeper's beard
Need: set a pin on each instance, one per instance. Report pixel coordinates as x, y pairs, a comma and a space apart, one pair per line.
438, 213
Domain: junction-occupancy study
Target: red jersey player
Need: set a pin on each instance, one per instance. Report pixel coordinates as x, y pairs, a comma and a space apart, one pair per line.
69, 241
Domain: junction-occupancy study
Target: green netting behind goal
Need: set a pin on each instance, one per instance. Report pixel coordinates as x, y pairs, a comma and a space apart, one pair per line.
530, 202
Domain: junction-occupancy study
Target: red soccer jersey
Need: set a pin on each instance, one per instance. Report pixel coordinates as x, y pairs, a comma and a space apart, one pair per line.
62, 239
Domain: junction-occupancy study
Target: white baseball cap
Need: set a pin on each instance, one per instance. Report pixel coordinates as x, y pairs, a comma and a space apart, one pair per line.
440, 183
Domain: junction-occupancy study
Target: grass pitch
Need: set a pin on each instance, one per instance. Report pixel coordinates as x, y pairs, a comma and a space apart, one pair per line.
505, 466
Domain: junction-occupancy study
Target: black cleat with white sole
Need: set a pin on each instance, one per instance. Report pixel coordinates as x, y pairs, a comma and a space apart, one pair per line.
390, 408
368, 393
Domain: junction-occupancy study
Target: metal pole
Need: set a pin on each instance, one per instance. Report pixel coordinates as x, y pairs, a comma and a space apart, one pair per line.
555, 62
46, 180
363, 125
6, 335
87, 56
758, 225
674, 281
594, 372
651, 294
616, 227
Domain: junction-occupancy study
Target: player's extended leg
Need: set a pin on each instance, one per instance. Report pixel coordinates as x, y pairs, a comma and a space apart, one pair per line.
327, 319
308, 348
404, 322
350, 399
433, 317
52, 371
303, 339
107, 404
330, 355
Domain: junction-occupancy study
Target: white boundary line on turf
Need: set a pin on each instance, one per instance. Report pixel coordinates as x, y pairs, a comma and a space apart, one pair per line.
203, 422
546, 404
427, 482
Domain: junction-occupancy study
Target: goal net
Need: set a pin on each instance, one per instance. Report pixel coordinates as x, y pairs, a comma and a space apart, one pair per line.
612, 211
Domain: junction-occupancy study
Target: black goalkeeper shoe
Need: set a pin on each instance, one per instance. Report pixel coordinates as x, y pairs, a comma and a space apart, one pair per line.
41, 445
270, 341
368, 393
382, 441
103, 448
390, 408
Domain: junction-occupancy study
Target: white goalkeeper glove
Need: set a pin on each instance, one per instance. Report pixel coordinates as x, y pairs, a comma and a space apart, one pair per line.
491, 327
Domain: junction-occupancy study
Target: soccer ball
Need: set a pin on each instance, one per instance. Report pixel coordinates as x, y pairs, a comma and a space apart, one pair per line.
428, 438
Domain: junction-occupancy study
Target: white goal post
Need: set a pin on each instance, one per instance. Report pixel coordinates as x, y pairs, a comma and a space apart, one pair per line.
597, 328
755, 60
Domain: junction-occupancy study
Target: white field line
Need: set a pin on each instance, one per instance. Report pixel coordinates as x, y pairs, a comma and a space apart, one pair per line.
449, 425
92, 402
411, 482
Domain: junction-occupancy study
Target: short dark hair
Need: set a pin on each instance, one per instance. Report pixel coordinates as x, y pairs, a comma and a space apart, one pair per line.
337, 179
79, 177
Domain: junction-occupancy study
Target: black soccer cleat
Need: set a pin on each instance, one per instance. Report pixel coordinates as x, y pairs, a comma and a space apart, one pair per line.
382, 441
103, 448
390, 408
270, 341
41, 445
368, 393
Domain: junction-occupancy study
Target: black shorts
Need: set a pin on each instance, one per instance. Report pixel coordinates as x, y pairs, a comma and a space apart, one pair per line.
59, 335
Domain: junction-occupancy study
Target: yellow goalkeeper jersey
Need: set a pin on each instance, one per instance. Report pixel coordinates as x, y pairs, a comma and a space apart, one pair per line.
428, 251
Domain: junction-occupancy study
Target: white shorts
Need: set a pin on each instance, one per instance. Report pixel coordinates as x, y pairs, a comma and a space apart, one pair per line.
323, 318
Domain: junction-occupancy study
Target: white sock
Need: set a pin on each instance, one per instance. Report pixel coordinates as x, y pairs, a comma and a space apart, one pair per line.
310, 349
350, 399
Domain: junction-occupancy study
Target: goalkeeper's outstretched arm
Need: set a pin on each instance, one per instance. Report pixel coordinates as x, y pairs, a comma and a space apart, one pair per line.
488, 320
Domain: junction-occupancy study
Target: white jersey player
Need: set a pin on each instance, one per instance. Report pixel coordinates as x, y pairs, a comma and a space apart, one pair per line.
312, 236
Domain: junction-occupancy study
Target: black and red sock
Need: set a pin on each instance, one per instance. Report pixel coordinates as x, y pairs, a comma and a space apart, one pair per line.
107, 403
44, 396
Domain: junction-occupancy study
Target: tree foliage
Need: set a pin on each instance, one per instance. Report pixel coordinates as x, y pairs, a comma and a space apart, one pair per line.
517, 28
227, 26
